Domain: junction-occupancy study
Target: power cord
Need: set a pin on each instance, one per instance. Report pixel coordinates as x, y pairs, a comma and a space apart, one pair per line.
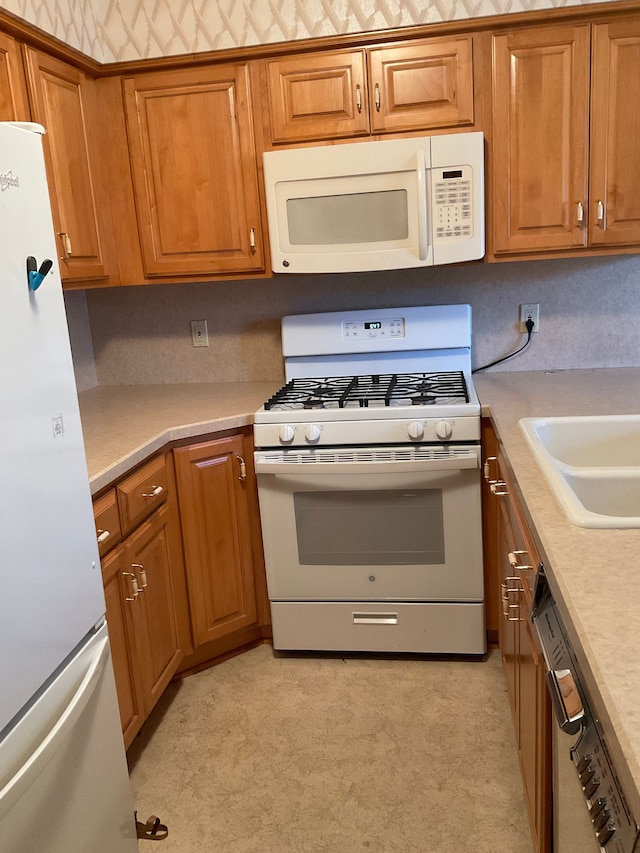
529, 324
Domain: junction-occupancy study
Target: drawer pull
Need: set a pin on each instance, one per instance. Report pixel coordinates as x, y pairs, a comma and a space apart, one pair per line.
579, 214
499, 488
486, 467
156, 490
358, 98
133, 580
66, 242
103, 535
252, 240
514, 562
600, 214
375, 618
377, 96
143, 575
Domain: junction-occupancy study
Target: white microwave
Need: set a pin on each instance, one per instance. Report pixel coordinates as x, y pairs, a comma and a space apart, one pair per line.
381, 205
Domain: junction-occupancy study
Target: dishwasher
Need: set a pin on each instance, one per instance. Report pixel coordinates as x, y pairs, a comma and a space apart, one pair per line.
590, 811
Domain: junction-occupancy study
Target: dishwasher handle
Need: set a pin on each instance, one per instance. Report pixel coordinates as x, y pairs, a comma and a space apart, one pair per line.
566, 701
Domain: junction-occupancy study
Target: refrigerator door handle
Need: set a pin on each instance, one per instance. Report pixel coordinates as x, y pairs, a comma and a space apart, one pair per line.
40, 757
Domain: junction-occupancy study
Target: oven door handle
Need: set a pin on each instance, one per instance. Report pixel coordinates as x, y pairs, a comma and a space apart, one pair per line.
566, 700
414, 466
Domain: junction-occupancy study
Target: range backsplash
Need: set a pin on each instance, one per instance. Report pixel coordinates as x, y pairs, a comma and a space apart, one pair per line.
589, 317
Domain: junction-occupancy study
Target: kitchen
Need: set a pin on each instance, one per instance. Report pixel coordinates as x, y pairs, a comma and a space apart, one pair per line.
135, 336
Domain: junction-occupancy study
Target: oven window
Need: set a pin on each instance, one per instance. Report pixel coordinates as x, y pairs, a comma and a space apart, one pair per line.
370, 528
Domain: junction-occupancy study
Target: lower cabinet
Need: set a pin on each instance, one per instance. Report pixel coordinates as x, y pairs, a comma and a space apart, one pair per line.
145, 592
182, 567
522, 660
218, 511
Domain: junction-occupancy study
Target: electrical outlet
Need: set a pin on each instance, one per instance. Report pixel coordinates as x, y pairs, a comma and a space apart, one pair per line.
199, 333
530, 310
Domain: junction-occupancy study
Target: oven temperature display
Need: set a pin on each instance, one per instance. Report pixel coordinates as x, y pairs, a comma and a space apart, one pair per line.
373, 329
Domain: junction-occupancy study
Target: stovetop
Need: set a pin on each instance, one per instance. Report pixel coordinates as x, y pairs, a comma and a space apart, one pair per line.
394, 408
392, 390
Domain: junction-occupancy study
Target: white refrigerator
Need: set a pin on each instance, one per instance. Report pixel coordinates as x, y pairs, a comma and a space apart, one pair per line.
64, 786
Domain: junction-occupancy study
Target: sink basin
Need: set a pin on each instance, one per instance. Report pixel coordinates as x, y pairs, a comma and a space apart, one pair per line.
592, 465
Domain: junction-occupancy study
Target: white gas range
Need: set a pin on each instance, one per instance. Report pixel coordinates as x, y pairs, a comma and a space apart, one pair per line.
368, 467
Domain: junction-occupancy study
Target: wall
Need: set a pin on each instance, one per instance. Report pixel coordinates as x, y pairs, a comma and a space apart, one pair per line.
589, 317
81, 342
119, 30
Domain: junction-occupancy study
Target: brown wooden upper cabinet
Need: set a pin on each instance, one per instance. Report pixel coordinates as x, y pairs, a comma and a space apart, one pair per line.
194, 171
14, 105
422, 85
62, 99
566, 174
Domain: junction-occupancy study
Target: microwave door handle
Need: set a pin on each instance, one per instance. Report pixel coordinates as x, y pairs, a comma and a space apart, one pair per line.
421, 172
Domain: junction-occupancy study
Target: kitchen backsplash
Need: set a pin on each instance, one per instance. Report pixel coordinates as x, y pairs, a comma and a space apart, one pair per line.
589, 317
119, 30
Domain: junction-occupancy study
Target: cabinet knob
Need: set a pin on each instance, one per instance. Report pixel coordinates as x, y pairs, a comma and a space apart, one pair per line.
579, 214
376, 96
252, 240
600, 214
358, 98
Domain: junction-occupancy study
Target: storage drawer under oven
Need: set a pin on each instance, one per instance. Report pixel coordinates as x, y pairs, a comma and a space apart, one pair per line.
430, 628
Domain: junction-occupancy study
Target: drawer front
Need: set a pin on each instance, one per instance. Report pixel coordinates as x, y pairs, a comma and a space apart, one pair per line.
107, 520
143, 492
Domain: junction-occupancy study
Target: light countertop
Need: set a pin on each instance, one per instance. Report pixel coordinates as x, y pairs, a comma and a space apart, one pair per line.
124, 424
592, 572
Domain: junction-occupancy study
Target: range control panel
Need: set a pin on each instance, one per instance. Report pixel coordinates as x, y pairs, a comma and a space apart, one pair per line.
373, 329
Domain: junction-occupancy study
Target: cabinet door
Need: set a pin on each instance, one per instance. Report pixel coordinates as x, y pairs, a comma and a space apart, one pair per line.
217, 539
151, 555
14, 105
423, 85
523, 663
508, 632
120, 597
318, 96
614, 209
62, 102
194, 171
540, 139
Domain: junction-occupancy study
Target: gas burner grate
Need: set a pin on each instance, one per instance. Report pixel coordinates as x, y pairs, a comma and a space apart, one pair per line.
397, 389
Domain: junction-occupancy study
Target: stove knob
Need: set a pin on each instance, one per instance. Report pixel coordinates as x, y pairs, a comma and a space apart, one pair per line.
286, 433
312, 433
444, 429
415, 430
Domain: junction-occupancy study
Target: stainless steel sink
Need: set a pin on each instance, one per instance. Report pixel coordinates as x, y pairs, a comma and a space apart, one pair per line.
592, 464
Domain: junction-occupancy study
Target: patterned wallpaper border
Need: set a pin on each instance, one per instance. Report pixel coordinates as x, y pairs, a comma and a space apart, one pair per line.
123, 30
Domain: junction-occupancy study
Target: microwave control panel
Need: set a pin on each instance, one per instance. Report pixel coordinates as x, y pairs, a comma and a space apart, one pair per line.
452, 203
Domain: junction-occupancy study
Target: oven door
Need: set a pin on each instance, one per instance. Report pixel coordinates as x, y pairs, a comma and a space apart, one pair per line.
372, 524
